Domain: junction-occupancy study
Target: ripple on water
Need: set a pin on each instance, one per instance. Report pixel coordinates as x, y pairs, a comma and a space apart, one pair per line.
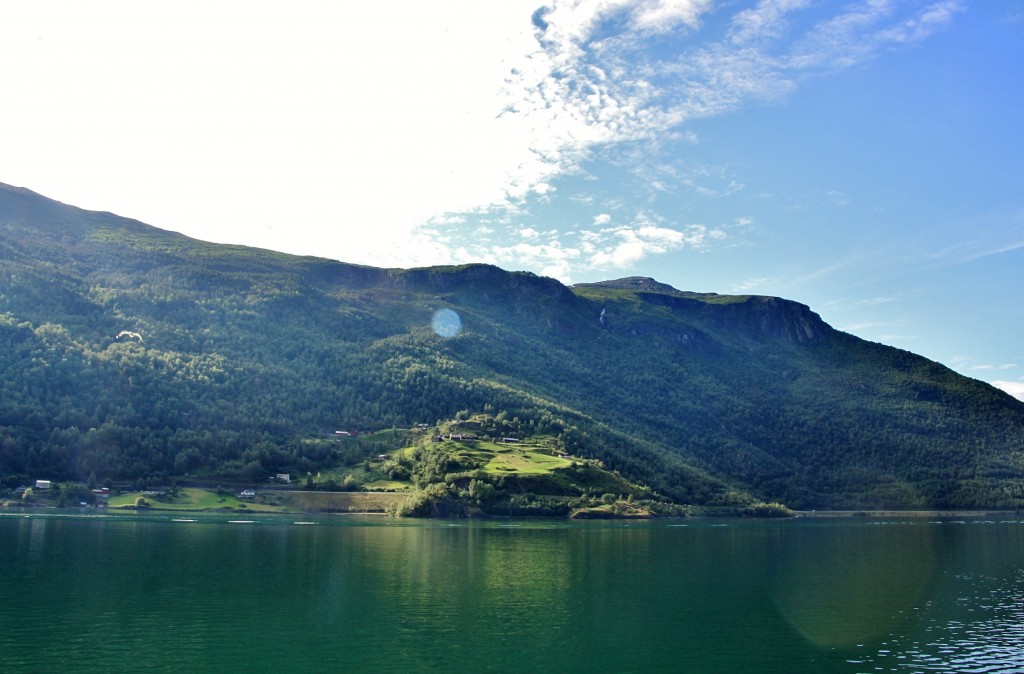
992, 642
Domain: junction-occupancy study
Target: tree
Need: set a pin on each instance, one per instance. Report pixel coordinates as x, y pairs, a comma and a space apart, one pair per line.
481, 490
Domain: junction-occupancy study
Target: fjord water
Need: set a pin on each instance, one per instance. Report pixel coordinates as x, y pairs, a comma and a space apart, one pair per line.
149, 593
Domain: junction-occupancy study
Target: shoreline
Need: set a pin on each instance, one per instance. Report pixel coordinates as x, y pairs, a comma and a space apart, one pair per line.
915, 514
12, 507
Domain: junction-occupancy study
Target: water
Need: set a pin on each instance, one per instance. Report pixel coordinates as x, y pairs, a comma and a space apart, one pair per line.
148, 593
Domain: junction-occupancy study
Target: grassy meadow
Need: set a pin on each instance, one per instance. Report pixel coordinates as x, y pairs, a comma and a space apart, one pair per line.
199, 500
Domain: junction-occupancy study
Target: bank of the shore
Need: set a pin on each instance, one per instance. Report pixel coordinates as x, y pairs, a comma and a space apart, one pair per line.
194, 499
924, 514
288, 501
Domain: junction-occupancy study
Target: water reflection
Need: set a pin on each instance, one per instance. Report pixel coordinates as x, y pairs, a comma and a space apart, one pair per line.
839, 590
36, 538
975, 620
385, 596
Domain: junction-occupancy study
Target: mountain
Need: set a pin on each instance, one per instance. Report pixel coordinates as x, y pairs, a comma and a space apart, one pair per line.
132, 353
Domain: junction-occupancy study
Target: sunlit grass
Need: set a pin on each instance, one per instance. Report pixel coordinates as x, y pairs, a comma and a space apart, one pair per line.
507, 459
191, 499
387, 485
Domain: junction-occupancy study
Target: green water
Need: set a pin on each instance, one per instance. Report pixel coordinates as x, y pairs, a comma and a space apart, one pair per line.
120, 593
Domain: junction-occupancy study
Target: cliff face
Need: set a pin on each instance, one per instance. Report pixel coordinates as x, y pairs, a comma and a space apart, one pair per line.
757, 319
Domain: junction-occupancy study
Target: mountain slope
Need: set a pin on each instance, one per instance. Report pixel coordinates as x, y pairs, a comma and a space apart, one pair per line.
241, 362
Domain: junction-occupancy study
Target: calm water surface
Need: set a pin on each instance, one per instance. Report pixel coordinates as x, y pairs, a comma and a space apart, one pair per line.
148, 593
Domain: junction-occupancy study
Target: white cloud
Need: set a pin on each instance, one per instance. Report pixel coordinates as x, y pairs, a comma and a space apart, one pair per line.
714, 182
582, 89
338, 129
751, 284
629, 246
560, 254
1014, 388
552, 259
866, 29
765, 21
864, 326
624, 245
896, 338
1017, 245
964, 363
568, 25
602, 219
317, 127
875, 301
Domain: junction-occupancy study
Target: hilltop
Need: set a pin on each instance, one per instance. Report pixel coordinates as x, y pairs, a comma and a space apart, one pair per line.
134, 354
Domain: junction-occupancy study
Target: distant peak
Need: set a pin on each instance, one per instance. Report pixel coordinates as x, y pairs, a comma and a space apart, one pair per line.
635, 283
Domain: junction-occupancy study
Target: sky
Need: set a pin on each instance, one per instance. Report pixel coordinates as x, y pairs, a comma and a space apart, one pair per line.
863, 157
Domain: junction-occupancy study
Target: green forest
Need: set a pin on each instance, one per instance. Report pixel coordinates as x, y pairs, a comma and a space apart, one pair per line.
133, 355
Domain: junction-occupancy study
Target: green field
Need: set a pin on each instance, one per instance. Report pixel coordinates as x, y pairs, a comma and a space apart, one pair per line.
387, 485
344, 502
504, 459
193, 499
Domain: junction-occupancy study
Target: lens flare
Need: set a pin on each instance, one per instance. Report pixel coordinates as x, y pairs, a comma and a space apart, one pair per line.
446, 323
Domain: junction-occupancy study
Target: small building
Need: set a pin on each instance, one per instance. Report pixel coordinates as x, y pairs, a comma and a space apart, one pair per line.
511, 440
44, 484
247, 493
283, 477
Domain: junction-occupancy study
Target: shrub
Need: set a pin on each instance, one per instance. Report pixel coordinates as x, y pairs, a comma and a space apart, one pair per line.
767, 510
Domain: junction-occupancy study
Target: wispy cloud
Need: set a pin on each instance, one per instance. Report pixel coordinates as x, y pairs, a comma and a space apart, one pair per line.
866, 326
1014, 388
382, 127
819, 273
1003, 366
866, 29
606, 245
994, 251
875, 301
895, 339
611, 73
747, 285
969, 364
587, 90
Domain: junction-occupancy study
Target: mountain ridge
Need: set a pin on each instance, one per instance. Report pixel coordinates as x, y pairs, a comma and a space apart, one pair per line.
250, 357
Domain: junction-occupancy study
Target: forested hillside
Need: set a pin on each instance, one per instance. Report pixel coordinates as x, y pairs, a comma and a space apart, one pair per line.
128, 352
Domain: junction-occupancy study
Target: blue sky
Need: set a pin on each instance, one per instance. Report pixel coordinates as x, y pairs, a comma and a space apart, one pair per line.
862, 157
